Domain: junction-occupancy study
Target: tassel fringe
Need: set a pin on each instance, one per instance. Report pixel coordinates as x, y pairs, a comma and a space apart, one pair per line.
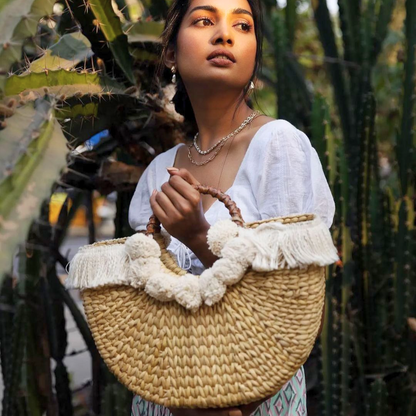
95, 266
279, 246
270, 246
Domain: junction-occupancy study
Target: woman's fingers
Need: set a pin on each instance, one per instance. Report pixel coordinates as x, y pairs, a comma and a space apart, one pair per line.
182, 181
156, 208
186, 190
184, 174
165, 203
236, 412
175, 197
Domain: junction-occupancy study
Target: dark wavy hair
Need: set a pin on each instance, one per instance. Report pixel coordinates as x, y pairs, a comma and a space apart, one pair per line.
169, 36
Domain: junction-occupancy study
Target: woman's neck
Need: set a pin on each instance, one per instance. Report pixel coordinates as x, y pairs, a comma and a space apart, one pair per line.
217, 114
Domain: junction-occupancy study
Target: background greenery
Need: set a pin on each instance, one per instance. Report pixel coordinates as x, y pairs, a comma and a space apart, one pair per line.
71, 69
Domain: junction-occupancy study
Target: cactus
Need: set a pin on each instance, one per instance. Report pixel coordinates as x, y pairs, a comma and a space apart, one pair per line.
62, 83
323, 142
405, 145
366, 329
144, 40
31, 135
108, 22
377, 400
73, 83
144, 32
70, 50
18, 22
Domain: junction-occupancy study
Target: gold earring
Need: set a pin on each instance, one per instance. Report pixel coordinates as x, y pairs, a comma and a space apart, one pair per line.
173, 69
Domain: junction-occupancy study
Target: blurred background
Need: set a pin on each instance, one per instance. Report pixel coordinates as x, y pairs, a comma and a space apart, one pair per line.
80, 119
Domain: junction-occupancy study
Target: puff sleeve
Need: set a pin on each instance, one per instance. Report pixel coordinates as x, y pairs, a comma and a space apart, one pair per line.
140, 210
290, 178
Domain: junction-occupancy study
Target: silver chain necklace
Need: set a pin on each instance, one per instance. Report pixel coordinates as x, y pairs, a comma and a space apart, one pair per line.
224, 139
221, 143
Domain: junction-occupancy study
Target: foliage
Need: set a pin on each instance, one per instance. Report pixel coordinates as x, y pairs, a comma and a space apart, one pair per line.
366, 346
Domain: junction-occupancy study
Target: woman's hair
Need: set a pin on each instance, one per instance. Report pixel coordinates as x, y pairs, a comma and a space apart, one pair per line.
169, 37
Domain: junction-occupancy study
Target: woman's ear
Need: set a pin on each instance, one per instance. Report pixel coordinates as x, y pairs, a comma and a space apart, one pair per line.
170, 58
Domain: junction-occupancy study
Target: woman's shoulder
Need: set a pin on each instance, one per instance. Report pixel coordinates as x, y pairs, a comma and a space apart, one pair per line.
167, 157
277, 133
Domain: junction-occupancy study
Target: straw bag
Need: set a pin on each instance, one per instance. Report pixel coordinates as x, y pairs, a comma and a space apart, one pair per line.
234, 335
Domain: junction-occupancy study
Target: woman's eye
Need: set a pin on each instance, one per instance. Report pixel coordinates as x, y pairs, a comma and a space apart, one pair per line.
245, 27
205, 21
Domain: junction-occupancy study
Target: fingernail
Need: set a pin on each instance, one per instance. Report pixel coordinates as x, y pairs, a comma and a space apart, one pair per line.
172, 169
154, 192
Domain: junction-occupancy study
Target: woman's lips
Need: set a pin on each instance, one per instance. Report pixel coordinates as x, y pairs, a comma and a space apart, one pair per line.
219, 61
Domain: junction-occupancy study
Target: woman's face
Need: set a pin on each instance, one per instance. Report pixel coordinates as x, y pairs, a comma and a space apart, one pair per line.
215, 26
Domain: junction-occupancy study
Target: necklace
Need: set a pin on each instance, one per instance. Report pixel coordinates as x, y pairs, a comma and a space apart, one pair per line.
219, 145
224, 139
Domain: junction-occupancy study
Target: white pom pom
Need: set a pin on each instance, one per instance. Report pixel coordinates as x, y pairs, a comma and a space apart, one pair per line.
228, 271
141, 270
140, 245
187, 292
212, 290
219, 234
239, 250
161, 286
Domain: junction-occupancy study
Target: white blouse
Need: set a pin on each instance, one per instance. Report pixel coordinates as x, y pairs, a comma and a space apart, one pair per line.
280, 174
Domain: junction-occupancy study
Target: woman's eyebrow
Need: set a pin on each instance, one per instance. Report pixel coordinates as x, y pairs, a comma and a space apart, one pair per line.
213, 9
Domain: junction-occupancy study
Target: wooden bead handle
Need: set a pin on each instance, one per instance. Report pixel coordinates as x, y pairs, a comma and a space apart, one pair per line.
153, 226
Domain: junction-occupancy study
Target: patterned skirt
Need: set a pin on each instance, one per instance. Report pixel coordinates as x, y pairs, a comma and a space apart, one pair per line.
289, 401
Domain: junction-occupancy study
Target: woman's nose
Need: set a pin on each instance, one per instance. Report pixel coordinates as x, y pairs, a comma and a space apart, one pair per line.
223, 35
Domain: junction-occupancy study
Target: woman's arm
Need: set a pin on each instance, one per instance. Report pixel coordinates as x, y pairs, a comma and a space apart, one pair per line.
178, 206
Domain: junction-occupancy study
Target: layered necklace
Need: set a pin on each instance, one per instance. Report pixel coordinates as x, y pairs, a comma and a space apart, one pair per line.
219, 145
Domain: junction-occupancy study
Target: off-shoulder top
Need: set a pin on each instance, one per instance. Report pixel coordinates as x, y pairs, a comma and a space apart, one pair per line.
280, 174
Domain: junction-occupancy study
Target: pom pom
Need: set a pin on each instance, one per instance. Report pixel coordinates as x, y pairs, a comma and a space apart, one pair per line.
187, 291
228, 271
140, 245
219, 234
212, 290
240, 250
161, 286
141, 270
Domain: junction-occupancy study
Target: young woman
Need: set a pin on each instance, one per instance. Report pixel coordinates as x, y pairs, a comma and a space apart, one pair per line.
267, 166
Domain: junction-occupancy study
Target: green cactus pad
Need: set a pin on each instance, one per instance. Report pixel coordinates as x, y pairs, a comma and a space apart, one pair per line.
33, 151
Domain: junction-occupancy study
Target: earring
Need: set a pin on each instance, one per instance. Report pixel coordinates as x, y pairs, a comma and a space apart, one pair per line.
173, 69
250, 88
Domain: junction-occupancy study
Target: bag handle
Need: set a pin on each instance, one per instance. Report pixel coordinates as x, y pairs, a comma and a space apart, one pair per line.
153, 226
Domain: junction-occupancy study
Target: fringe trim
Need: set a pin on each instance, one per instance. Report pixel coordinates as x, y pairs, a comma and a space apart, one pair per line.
95, 266
280, 246
270, 246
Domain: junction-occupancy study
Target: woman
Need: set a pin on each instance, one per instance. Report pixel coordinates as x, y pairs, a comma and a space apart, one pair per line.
267, 166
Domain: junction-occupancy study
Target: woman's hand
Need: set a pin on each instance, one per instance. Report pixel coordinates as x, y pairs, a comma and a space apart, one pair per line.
178, 206
245, 410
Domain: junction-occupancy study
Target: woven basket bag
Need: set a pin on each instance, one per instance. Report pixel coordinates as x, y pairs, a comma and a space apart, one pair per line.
241, 347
